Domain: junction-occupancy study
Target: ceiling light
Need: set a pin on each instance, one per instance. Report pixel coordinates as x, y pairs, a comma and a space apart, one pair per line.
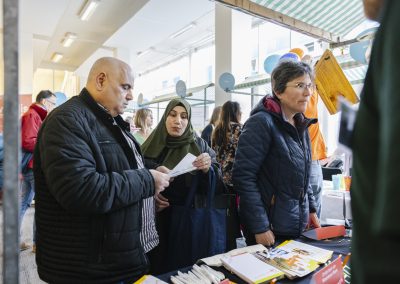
88, 9
141, 53
68, 39
56, 57
183, 30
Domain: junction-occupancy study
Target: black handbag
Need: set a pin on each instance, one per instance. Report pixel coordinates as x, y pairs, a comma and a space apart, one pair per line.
196, 231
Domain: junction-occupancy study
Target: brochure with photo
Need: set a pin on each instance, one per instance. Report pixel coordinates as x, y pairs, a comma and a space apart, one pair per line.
312, 252
293, 264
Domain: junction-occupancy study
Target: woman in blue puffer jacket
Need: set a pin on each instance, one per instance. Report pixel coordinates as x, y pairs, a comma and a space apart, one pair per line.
273, 158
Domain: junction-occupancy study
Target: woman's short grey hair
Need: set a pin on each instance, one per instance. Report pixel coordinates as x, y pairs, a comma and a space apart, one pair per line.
287, 71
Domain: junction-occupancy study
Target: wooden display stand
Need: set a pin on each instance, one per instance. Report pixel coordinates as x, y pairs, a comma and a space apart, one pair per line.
331, 82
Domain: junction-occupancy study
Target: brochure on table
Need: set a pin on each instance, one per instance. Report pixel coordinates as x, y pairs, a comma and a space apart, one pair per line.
257, 264
250, 268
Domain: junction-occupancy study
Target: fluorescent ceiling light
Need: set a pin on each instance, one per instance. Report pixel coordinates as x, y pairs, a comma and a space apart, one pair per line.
88, 9
141, 53
183, 30
68, 39
56, 57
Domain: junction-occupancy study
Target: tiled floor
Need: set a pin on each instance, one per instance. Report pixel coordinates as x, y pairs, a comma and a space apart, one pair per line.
27, 268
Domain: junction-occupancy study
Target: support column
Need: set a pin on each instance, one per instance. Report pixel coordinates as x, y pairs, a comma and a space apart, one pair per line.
232, 48
223, 49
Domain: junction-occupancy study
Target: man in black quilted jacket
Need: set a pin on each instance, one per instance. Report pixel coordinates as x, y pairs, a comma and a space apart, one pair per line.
90, 183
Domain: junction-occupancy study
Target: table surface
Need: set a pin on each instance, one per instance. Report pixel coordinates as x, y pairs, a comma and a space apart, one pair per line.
339, 246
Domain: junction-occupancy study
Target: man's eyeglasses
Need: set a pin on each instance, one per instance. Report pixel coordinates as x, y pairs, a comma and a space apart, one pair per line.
302, 86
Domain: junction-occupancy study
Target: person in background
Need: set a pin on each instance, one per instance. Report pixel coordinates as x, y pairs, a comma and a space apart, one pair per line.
375, 194
143, 121
90, 184
129, 119
318, 151
272, 164
207, 131
224, 142
173, 139
31, 122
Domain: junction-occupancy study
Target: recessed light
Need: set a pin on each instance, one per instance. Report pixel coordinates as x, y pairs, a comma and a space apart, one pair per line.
88, 9
56, 57
68, 39
183, 30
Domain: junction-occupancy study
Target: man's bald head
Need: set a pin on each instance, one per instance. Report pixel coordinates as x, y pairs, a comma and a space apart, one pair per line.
110, 83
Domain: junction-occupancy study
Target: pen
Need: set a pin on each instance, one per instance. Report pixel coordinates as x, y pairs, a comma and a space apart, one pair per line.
346, 259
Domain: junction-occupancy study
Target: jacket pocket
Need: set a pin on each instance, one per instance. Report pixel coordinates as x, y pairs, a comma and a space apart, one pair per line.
285, 216
110, 149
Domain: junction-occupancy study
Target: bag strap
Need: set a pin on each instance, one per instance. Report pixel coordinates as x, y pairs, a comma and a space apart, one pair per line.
211, 187
210, 192
192, 191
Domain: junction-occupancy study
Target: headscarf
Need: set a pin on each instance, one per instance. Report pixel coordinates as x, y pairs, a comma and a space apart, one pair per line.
177, 147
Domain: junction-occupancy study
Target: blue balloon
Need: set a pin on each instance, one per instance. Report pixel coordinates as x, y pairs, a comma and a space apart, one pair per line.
61, 98
180, 88
290, 56
226, 81
358, 49
270, 62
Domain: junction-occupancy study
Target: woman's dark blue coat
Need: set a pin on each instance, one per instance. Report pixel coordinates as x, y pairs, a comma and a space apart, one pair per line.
271, 172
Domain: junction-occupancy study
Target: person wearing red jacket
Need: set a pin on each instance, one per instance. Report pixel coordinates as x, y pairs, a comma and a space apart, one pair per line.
30, 124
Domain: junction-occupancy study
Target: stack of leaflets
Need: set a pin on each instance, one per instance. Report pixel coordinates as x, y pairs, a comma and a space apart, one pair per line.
250, 268
291, 263
294, 258
315, 253
257, 264
216, 259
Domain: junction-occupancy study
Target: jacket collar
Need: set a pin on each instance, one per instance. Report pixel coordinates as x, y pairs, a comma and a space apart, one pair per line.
42, 112
272, 106
101, 112
114, 124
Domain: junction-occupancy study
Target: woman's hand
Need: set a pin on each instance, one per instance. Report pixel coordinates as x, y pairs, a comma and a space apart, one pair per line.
161, 202
313, 221
203, 162
267, 238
